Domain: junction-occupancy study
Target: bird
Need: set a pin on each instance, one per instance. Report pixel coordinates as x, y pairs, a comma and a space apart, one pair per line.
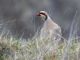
49, 28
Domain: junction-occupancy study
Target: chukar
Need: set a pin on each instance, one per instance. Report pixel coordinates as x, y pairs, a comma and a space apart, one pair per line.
49, 28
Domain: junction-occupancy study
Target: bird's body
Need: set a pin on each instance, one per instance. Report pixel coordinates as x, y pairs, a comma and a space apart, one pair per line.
49, 28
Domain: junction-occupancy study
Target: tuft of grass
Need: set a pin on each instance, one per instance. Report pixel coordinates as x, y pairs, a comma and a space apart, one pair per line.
36, 49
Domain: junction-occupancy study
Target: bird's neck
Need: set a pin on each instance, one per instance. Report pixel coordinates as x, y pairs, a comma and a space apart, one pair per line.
48, 18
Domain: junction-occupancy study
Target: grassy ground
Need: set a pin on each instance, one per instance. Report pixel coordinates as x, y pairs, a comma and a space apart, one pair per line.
38, 49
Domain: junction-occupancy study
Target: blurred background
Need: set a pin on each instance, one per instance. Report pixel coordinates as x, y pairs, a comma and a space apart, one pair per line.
17, 17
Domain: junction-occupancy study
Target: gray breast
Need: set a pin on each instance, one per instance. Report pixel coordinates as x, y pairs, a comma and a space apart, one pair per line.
51, 30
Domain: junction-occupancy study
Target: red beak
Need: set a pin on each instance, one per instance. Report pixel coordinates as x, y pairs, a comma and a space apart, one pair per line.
38, 14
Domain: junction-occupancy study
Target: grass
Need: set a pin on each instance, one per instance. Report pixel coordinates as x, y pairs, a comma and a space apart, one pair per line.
37, 49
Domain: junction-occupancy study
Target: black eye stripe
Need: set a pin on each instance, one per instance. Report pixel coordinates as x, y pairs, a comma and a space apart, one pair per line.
43, 14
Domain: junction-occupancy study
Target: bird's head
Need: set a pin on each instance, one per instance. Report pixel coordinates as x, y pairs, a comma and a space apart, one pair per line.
43, 15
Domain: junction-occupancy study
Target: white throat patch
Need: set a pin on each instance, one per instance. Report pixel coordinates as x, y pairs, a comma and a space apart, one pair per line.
43, 17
